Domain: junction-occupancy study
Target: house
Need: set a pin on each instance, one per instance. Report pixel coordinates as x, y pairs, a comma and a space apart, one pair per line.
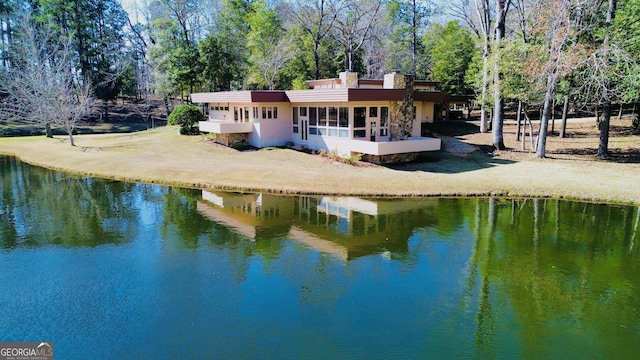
380, 119
344, 227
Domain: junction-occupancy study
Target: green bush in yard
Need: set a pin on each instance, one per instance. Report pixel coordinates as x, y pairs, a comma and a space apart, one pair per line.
187, 116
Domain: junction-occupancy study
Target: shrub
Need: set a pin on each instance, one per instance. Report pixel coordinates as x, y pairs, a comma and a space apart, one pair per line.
187, 116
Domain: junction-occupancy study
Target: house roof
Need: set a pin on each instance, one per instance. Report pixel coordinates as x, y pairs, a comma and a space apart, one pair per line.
246, 96
345, 95
371, 83
323, 95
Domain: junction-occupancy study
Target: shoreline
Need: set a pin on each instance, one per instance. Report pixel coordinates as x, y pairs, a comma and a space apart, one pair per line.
163, 157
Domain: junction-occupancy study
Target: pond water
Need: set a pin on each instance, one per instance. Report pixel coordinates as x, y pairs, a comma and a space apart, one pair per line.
109, 270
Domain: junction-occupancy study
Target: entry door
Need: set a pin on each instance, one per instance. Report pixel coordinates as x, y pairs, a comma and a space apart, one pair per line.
373, 129
304, 129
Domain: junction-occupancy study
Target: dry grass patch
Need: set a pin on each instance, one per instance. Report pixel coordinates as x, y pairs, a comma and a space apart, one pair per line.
163, 156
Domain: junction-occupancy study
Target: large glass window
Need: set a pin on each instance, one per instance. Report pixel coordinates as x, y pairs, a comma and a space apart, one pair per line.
344, 116
269, 112
384, 116
322, 116
333, 116
359, 117
313, 116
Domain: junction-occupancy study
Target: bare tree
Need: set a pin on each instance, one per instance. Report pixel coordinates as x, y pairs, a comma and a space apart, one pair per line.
275, 57
558, 28
40, 84
353, 26
316, 18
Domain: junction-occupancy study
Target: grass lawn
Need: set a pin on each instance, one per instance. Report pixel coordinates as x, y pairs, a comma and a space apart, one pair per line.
463, 168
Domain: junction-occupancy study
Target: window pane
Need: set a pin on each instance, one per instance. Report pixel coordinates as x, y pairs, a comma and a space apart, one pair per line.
359, 118
333, 132
322, 131
322, 116
246, 114
313, 116
303, 111
295, 115
295, 129
333, 116
275, 112
373, 111
384, 132
384, 116
269, 112
344, 117
235, 113
313, 130
344, 133
255, 112
359, 133
264, 112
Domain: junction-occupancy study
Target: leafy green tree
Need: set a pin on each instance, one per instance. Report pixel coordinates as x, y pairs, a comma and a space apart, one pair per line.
219, 67
269, 46
451, 55
187, 116
409, 19
175, 60
96, 30
316, 20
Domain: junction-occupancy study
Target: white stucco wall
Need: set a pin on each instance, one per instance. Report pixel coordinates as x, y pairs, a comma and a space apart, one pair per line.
272, 132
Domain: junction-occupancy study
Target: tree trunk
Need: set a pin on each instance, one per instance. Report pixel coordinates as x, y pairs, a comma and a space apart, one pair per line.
485, 86
544, 121
565, 108
47, 130
498, 116
518, 121
620, 112
553, 116
70, 132
603, 147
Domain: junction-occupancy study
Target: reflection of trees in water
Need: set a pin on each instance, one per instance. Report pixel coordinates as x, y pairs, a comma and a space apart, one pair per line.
567, 270
46, 207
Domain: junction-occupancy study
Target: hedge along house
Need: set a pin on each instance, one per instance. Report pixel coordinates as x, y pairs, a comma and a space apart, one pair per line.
380, 119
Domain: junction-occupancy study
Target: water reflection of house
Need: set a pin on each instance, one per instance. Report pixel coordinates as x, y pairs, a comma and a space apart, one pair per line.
346, 227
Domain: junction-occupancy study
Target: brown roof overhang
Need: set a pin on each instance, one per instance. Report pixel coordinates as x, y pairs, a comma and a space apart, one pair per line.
240, 96
376, 94
459, 98
428, 96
